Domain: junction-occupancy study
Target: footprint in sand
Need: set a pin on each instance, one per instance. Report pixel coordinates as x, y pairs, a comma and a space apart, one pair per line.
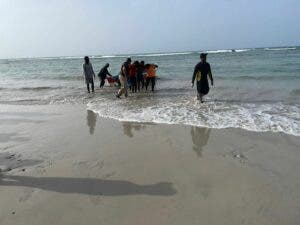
27, 194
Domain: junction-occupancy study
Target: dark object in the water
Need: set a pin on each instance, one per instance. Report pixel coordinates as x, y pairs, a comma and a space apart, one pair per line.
10, 156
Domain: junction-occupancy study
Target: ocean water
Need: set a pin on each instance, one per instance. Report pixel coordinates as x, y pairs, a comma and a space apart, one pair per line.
255, 89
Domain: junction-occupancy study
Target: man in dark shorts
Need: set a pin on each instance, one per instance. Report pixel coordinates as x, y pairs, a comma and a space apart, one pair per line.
140, 76
103, 74
202, 70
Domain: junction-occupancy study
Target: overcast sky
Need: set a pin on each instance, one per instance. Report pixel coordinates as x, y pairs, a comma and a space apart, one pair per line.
31, 28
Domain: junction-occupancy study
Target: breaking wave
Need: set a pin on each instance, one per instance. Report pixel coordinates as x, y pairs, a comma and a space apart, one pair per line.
212, 114
280, 49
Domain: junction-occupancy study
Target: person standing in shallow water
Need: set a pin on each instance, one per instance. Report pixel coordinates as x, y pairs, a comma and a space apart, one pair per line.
133, 76
151, 75
201, 71
88, 73
140, 76
123, 78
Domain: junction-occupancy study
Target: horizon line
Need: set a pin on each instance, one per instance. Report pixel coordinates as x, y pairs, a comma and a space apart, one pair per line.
147, 53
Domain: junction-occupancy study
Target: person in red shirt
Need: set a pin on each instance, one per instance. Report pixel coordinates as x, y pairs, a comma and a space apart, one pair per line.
132, 76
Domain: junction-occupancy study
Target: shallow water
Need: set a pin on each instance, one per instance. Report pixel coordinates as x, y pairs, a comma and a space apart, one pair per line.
255, 89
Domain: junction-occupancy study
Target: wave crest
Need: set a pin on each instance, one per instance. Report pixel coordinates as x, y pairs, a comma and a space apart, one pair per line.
249, 116
280, 49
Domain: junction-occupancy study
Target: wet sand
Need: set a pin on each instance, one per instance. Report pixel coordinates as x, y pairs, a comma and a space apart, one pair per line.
65, 165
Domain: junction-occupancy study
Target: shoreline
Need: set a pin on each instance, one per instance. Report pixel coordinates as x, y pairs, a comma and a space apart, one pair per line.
266, 132
70, 166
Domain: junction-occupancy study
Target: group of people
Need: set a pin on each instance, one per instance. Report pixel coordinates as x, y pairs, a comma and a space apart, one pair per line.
134, 76
138, 75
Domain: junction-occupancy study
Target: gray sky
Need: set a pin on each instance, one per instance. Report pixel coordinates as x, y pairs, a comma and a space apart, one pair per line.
30, 28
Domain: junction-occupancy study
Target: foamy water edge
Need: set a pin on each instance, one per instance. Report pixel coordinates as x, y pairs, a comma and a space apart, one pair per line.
244, 118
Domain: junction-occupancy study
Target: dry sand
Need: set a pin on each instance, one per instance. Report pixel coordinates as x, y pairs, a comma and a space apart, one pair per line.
64, 165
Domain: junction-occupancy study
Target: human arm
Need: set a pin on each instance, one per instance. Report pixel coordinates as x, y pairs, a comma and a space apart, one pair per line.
93, 71
210, 76
84, 71
194, 75
124, 71
108, 73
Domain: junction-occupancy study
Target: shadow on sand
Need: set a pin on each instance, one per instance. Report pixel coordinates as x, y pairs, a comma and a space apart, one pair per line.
89, 186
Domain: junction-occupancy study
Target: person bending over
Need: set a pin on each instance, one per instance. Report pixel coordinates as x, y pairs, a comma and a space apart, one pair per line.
201, 71
88, 73
103, 75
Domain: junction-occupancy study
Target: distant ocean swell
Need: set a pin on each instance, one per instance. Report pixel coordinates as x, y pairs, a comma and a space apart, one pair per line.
220, 51
286, 77
280, 49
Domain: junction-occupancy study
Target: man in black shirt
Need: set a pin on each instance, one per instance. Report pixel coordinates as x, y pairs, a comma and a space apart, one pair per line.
140, 76
102, 75
201, 71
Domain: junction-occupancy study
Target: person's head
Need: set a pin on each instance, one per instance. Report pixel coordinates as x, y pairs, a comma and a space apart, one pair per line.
203, 57
107, 65
128, 60
142, 63
136, 63
147, 66
86, 59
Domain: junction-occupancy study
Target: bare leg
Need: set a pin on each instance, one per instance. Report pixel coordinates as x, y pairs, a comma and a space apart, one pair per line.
93, 88
147, 83
152, 83
122, 88
201, 98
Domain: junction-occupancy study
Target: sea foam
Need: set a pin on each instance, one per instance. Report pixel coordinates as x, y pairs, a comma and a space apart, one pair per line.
212, 114
280, 49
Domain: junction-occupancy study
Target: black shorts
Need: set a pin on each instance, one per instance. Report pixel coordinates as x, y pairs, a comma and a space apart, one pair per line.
202, 88
140, 77
132, 80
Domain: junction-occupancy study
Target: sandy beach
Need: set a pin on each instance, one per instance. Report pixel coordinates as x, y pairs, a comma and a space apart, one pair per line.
147, 112
62, 164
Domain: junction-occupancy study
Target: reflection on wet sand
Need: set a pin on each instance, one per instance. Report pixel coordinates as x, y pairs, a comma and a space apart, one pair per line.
128, 128
91, 120
12, 137
200, 138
